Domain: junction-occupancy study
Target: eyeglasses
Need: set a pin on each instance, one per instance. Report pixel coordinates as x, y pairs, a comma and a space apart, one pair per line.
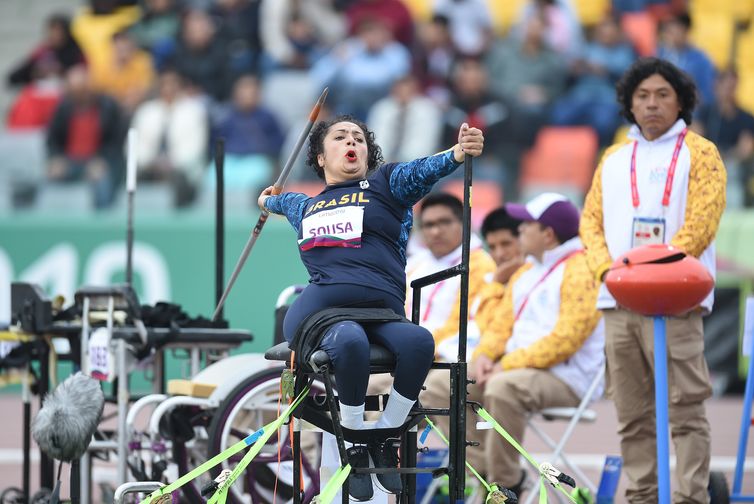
439, 224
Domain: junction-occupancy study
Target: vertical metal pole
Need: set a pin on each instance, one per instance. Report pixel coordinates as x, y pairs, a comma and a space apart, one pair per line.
416, 302
298, 494
75, 482
123, 395
746, 422
85, 458
130, 239
458, 372
196, 361
130, 190
85, 337
661, 410
26, 398
410, 458
46, 464
84, 473
219, 222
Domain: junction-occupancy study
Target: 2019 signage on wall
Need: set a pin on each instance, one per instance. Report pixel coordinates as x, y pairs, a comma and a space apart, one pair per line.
173, 261
57, 271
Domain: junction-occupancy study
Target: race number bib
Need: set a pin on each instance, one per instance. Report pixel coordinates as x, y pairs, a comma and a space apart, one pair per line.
101, 362
646, 231
339, 227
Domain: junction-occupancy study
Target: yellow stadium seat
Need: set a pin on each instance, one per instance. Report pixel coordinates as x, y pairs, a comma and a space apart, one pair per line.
591, 12
744, 10
738, 10
714, 36
505, 13
745, 51
421, 10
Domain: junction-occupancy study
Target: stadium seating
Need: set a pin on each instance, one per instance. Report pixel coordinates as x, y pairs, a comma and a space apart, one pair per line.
485, 197
641, 30
591, 12
563, 159
714, 36
505, 14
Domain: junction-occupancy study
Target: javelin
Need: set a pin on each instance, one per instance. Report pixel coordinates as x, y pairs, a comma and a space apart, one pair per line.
277, 188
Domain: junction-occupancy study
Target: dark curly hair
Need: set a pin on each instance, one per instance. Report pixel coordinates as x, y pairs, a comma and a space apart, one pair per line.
646, 67
317, 144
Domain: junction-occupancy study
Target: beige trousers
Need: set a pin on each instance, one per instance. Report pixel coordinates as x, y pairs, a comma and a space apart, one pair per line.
509, 397
629, 348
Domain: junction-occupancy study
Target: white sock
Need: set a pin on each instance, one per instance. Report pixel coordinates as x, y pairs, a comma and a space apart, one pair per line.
395, 412
352, 417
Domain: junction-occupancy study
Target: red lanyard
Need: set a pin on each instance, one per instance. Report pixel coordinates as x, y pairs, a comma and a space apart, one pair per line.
671, 172
541, 280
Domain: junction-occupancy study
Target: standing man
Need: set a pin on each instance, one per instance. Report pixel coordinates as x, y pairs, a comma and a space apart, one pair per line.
668, 178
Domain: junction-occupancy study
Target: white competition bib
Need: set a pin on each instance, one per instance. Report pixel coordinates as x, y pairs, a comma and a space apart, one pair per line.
339, 227
101, 361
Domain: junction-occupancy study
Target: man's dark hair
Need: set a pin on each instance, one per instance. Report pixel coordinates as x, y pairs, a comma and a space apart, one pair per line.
646, 67
682, 19
497, 220
441, 19
317, 144
443, 199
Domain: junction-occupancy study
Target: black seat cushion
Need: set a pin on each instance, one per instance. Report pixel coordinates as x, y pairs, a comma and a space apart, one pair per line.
378, 355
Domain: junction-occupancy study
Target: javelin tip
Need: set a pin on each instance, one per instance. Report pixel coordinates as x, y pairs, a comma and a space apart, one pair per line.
320, 101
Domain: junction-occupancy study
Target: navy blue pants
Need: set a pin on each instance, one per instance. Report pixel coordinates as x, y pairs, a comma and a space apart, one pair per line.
347, 343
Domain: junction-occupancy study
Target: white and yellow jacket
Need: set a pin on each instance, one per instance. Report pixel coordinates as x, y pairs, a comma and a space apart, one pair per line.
440, 302
696, 204
559, 327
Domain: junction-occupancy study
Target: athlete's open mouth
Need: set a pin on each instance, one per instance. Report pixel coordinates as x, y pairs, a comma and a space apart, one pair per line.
351, 155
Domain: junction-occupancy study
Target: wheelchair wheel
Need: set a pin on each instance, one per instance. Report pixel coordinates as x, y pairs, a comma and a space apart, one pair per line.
190, 453
12, 495
718, 488
253, 404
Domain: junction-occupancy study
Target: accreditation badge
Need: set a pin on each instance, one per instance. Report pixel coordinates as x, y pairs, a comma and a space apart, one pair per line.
647, 231
339, 227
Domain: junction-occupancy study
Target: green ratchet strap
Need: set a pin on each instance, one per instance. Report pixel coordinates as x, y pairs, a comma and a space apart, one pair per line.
269, 429
258, 439
484, 483
332, 487
542, 490
494, 494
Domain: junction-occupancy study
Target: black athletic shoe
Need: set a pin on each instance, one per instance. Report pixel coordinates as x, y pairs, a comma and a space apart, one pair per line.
385, 456
520, 486
359, 485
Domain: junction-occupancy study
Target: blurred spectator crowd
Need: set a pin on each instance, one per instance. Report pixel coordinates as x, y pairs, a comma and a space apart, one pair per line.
529, 73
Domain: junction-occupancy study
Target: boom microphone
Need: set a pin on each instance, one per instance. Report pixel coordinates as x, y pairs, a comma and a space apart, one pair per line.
64, 426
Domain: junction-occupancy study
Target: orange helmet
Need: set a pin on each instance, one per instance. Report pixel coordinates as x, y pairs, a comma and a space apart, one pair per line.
658, 280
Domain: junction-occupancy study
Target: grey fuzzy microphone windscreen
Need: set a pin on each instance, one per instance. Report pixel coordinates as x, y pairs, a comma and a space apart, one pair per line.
64, 426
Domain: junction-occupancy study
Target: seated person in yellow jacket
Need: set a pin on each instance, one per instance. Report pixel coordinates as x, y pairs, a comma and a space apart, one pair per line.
544, 344
500, 233
440, 221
